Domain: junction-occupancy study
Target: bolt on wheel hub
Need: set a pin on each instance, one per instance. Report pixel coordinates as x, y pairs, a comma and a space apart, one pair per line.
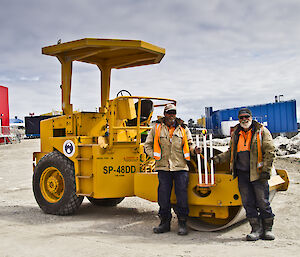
52, 184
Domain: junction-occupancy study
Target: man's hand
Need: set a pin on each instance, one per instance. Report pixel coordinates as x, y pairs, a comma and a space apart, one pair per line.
215, 158
264, 177
198, 150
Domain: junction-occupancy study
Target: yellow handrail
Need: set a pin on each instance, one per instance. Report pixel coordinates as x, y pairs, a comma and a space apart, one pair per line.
138, 127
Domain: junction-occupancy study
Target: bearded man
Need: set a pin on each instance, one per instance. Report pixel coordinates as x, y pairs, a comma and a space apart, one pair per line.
251, 155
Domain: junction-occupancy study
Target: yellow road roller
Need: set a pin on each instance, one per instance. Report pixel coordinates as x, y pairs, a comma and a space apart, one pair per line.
100, 155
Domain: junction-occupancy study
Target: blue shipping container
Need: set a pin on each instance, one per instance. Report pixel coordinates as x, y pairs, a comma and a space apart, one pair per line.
278, 117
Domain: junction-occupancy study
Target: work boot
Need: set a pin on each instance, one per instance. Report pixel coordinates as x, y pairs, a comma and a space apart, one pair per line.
267, 227
182, 228
257, 231
163, 227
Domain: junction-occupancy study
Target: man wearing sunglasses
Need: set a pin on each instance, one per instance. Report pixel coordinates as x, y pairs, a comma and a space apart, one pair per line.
170, 144
251, 155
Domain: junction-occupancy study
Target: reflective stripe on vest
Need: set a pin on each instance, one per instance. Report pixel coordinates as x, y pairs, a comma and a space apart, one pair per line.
185, 148
157, 148
156, 145
260, 162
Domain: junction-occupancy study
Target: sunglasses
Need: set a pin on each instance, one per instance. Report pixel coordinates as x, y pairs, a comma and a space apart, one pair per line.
244, 117
171, 112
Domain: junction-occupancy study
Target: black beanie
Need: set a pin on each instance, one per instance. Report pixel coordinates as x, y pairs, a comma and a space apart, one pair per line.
245, 111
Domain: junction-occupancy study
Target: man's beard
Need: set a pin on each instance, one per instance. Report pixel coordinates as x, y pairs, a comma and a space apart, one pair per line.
246, 124
170, 120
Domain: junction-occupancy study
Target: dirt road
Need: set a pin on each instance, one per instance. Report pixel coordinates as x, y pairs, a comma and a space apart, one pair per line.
125, 230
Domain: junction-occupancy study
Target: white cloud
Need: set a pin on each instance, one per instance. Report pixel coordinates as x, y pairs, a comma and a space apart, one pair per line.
218, 53
30, 78
4, 79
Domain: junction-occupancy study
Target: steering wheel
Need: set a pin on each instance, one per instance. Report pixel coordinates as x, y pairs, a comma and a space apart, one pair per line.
121, 92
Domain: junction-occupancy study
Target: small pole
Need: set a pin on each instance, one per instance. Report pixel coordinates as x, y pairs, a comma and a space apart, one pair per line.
199, 161
205, 159
211, 160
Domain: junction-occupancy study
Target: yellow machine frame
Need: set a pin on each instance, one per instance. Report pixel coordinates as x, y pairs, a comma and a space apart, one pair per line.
107, 153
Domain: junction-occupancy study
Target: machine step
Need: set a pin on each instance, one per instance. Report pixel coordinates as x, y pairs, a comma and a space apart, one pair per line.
86, 177
84, 159
87, 195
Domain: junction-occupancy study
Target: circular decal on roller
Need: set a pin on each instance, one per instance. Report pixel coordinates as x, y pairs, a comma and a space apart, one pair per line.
69, 148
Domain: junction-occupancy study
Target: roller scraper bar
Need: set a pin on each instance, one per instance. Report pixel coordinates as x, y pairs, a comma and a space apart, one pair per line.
209, 179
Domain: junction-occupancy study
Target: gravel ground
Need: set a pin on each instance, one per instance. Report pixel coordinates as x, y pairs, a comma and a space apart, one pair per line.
125, 230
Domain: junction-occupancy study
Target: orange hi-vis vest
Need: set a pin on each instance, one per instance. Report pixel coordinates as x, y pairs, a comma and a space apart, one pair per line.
157, 148
260, 163
244, 141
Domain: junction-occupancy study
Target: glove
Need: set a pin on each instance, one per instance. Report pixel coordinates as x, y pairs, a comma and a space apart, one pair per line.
216, 159
198, 150
264, 176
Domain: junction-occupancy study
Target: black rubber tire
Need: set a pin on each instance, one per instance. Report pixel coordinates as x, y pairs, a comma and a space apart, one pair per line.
69, 201
105, 201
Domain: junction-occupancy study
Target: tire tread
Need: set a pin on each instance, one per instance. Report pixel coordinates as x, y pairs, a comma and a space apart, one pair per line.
73, 202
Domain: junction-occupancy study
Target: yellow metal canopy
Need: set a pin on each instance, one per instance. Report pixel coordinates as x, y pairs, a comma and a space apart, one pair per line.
113, 53
106, 54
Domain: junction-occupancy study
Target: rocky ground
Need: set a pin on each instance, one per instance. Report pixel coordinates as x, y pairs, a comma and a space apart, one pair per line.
125, 230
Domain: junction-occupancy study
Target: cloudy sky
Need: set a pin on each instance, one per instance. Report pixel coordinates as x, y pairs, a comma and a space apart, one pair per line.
219, 53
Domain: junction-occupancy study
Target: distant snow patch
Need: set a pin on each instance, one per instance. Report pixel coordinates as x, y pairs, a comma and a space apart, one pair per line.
285, 146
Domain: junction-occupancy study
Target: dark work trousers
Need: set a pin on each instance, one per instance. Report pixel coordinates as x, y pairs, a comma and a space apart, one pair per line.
255, 196
181, 180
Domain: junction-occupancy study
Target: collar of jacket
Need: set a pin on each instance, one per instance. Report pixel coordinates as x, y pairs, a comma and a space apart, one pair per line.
178, 121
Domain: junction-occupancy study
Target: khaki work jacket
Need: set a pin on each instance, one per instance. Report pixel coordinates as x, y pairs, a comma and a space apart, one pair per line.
268, 151
172, 157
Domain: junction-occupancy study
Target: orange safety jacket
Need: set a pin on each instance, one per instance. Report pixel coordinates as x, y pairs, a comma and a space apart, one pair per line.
157, 148
260, 163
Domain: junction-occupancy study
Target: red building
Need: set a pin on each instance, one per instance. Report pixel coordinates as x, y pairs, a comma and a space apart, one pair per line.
4, 111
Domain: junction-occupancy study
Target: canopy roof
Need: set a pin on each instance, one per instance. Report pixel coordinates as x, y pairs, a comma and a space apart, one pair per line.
113, 53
